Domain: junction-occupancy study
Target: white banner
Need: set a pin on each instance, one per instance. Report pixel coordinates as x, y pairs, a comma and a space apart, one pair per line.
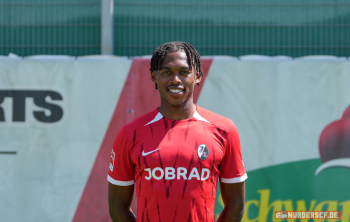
279, 107
44, 166
54, 115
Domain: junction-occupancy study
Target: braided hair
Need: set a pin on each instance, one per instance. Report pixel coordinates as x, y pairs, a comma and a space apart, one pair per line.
193, 56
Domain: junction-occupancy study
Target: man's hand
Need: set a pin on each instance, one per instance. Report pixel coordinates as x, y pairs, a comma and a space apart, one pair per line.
119, 201
233, 196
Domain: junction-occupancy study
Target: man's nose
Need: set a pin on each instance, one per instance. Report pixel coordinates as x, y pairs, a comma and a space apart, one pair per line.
176, 77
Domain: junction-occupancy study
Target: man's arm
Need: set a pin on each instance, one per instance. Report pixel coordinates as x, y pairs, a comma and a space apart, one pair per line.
119, 201
233, 196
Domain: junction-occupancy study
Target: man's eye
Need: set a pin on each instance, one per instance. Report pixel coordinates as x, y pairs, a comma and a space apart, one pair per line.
185, 72
166, 72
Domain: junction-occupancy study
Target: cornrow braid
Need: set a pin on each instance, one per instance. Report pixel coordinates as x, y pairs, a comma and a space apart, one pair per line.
193, 57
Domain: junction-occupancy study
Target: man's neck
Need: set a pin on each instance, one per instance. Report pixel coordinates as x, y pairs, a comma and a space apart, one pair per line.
183, 111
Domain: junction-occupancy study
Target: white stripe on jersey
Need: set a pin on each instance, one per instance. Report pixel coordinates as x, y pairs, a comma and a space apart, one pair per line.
234, 180
120, 183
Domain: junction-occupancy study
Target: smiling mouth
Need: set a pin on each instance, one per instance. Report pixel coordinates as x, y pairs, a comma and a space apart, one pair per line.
176, 90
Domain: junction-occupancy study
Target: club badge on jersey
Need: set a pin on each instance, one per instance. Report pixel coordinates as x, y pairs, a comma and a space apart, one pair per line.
203, 152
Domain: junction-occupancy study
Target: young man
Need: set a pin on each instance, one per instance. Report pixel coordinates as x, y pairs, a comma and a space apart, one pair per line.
176, 153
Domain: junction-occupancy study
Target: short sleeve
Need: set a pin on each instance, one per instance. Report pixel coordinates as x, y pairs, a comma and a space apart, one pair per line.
232, 168
121, 170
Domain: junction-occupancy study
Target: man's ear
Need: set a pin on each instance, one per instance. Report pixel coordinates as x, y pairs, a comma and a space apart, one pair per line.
154, 76
198, 78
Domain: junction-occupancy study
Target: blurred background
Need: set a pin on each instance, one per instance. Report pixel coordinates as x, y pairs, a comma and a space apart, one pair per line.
72, 73
223, 27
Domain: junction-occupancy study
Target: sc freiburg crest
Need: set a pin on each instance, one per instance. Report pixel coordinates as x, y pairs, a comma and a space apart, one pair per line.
203, 152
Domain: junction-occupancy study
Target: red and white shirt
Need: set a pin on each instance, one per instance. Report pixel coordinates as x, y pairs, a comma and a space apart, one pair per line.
176, 164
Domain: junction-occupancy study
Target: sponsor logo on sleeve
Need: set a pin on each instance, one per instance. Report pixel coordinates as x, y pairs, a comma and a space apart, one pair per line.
111, 164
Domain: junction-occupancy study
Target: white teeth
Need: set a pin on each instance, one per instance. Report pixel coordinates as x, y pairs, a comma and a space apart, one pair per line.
175, 90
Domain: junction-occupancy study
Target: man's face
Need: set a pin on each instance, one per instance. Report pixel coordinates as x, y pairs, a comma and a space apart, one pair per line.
175, 80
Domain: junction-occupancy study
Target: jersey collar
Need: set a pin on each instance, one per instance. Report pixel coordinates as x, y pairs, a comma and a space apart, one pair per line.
159, 116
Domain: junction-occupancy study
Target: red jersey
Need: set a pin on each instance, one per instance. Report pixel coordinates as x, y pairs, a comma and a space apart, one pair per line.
176, 164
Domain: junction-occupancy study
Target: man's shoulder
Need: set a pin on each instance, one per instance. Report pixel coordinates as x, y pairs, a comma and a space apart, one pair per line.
216, 120
141, 121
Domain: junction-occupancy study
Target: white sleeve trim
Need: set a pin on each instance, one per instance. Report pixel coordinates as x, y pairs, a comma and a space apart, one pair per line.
234, 180
119, 183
